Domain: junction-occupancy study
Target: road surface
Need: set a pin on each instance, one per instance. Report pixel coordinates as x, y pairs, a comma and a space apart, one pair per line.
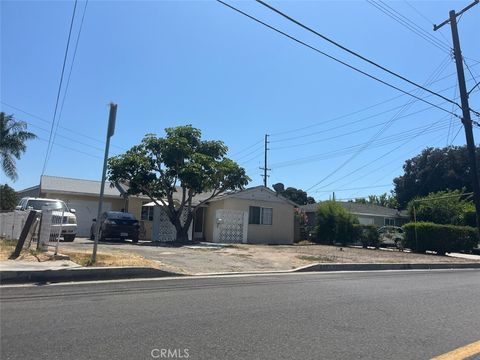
362, 315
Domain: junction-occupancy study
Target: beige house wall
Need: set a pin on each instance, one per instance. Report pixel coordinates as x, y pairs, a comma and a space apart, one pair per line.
209, 219
280, 232
117, 202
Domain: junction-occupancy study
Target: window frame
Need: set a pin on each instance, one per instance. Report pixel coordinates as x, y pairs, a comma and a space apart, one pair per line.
252, 215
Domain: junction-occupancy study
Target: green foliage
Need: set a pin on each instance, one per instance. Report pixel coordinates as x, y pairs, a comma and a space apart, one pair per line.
367, 235
435, 169
8, 198
443, 207
334, 224
13, 136
384, 200
298, 196
181, 161
439, 238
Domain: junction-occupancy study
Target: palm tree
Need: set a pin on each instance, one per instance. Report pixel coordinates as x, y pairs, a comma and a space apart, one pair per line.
13, 135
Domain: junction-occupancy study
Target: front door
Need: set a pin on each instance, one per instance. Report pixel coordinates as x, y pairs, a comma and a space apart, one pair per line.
198, 223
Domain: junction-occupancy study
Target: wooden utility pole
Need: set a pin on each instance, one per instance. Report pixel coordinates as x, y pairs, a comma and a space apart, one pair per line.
265, 167
110, 131
466, 119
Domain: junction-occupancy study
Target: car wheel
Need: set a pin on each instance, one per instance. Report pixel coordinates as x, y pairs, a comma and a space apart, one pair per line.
135, 240
69, 238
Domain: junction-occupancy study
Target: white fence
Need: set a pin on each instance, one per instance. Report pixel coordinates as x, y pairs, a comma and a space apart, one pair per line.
11, 224
47, 234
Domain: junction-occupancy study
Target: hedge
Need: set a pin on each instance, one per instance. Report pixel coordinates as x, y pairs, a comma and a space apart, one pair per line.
367, 235
439, 238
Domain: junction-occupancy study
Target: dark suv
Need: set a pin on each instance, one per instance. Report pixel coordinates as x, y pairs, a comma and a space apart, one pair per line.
116, 225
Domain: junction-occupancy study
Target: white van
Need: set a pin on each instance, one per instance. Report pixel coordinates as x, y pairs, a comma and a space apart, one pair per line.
69, 221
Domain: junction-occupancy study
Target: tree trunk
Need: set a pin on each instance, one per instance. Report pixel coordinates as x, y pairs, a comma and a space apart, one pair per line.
182, 230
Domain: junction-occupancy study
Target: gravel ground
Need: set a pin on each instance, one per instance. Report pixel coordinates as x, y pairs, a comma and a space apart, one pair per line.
233, 258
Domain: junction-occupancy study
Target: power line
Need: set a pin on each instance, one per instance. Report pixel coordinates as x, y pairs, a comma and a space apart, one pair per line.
368, 107
336, 59
61, 127
68, 78
247, 148
354, 53
59, 88
432, 77
381, 157
429, 21
357, 188
409, 24
388, 140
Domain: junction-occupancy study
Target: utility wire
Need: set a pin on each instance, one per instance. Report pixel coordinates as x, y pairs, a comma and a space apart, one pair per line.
59, 88
61, 127
338, 60
356, 54
366, 108
432, 77
68, 78
409, 24
429, 21
247, 148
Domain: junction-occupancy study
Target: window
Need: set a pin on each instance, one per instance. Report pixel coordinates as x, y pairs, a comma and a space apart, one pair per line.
389, 222
147, 212
260, 216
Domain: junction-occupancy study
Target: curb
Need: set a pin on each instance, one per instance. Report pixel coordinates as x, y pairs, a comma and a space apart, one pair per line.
80, 274
386, 266
115, 273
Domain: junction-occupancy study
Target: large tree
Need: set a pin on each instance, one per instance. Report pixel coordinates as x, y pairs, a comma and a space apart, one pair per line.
13, 136
179, 162
380, 200
8, 198
298, 196
435, 169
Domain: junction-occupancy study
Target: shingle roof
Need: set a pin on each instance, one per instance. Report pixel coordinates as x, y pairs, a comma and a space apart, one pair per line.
56, 184
357, 208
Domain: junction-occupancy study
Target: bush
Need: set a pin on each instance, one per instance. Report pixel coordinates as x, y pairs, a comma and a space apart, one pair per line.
334, 224
443, 207
367, 235
439, 238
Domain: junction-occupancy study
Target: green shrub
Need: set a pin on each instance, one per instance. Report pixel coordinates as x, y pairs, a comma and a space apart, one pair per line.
367, 235
334, 224
439, 238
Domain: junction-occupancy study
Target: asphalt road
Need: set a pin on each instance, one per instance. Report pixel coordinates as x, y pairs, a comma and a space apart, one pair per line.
370, 315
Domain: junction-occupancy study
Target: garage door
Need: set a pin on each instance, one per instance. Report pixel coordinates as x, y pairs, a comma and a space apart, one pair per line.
86, 210
365, 220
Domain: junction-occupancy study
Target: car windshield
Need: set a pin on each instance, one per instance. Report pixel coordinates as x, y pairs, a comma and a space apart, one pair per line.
120, 215
50, 204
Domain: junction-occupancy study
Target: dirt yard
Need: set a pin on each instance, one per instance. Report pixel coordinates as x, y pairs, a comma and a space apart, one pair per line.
209, 258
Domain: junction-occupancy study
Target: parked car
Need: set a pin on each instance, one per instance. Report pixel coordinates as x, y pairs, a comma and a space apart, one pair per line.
116, 225
69, 221
391, 236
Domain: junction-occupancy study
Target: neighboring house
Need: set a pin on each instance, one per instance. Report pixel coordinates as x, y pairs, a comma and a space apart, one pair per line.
81, 195
255, 215
366, 214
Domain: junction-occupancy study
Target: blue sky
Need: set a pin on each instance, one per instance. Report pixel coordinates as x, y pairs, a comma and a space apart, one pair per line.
170, 63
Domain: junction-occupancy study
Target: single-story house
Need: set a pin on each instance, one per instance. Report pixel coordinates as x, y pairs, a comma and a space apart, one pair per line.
255, 215
366, 214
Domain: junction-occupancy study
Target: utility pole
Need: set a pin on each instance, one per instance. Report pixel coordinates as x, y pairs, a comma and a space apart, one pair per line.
265, 168
466, 119
110, 131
